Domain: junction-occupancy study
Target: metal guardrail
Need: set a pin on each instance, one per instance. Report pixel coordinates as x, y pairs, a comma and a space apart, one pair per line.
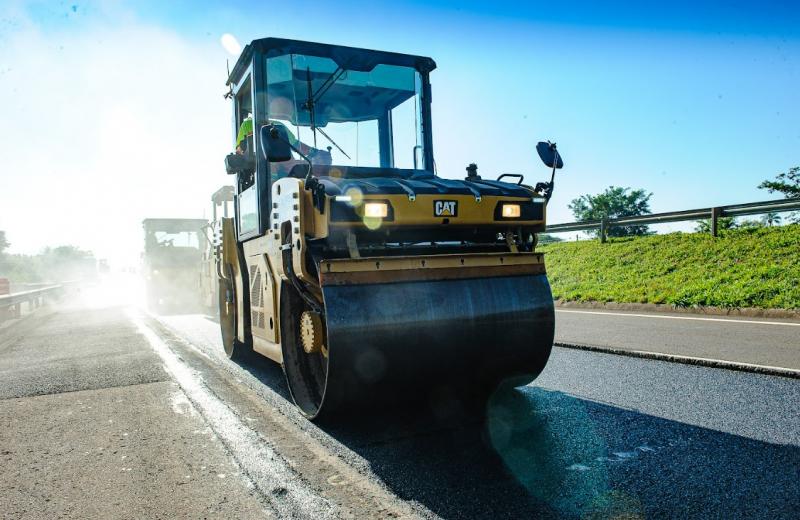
713, 214
11, 304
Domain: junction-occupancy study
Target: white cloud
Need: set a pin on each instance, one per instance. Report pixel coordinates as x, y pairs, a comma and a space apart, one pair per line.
104, 126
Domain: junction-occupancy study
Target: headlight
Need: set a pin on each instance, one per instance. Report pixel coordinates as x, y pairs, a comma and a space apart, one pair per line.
378, 210
511, 211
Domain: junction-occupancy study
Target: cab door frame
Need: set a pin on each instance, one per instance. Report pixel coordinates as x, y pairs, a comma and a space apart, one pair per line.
252, 83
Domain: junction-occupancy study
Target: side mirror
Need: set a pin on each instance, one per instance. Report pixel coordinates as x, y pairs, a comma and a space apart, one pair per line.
274, 141
549, 155
235, 164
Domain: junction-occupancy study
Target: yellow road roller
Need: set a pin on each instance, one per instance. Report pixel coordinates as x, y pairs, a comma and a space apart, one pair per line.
370, 278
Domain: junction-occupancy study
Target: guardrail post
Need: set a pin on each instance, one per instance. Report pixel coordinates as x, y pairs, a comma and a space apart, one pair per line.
603, 229
715, 214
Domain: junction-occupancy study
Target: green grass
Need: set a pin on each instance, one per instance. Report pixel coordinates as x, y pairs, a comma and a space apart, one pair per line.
750, 267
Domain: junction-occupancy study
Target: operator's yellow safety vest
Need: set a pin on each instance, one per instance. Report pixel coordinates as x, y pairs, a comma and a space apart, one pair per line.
246, 130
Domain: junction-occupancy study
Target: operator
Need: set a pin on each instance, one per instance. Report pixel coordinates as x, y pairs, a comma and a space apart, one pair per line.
280, 170
246, 130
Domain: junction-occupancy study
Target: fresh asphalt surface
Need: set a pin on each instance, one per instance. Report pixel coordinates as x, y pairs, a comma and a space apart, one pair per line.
597, 435
757, 341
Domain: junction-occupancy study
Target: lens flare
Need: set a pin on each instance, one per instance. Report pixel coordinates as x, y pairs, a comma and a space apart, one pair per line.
231, 44
356, 196
373, 223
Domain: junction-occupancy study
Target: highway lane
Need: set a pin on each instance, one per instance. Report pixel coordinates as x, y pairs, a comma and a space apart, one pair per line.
101, 417
596, 434
755, 341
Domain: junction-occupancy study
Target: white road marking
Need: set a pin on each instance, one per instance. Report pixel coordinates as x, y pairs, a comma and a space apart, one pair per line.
724, 320
578, 467
625, 454
357, 473
263, 466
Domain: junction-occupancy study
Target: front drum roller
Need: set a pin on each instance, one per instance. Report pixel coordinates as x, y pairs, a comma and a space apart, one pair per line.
389, 342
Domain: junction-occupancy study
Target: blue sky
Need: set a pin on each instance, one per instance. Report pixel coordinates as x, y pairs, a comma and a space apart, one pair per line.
695, 101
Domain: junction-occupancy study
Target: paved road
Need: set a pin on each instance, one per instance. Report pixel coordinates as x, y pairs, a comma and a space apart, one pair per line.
595, 436
91, 426
757, 341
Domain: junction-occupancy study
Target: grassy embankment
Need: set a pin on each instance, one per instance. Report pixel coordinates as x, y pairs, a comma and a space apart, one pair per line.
750, 267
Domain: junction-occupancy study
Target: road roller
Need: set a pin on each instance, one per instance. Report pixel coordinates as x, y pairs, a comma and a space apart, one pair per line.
172, 263
368, 275
221, 207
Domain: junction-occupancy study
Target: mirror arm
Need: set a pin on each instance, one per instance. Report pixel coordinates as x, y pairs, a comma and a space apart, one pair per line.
305, 158
311, 183
552, 182
546, 188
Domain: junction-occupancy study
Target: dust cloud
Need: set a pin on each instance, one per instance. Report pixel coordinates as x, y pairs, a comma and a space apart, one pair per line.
107, 120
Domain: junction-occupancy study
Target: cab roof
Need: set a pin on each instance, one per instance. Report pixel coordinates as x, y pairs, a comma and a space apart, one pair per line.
352, 57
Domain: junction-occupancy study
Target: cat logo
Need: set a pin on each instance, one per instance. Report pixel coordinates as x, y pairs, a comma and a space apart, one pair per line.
445, 208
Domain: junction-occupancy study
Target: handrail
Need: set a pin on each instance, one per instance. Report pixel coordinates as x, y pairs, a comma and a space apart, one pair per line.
731, 210
31, 297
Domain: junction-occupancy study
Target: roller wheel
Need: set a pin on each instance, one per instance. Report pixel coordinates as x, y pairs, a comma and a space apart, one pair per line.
445, 343
305, 355
226, 297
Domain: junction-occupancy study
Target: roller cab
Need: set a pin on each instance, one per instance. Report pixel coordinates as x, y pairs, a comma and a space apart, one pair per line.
370, 278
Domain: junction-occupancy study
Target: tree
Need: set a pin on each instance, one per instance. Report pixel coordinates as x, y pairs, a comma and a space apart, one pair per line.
750, 223
64, 263
544, 238
3, 242
723, 224
787, 183
772, 219
613, 203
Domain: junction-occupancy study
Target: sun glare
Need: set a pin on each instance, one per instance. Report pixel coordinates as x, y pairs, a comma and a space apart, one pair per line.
231, 44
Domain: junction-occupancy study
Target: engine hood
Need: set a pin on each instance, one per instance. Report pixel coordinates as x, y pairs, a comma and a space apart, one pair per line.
339, 180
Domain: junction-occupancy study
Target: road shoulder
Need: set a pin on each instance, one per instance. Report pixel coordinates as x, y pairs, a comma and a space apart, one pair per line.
91, 426
754, 345
137, 451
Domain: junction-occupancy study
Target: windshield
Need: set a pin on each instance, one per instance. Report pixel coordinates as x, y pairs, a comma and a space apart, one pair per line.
347, 117
173, 239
